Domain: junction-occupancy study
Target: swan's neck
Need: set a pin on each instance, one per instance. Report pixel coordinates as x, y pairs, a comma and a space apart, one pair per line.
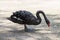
38, 16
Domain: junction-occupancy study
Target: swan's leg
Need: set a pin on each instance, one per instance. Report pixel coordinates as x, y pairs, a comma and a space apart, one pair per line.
25, 27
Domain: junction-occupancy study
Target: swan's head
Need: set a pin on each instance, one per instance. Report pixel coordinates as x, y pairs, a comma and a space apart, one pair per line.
48, 23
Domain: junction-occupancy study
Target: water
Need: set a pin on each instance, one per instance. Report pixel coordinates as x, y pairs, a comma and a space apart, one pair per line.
13, 31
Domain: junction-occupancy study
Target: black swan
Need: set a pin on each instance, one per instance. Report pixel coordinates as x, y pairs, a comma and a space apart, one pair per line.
26, 17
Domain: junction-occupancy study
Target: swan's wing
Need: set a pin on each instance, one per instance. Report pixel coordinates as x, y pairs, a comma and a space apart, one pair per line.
25, 15
29, 16
15, 20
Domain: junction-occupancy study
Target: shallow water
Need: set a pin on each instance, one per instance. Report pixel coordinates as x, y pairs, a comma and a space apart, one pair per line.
13, 31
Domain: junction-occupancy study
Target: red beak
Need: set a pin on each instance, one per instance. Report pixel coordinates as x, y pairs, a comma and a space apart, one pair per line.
49, 25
